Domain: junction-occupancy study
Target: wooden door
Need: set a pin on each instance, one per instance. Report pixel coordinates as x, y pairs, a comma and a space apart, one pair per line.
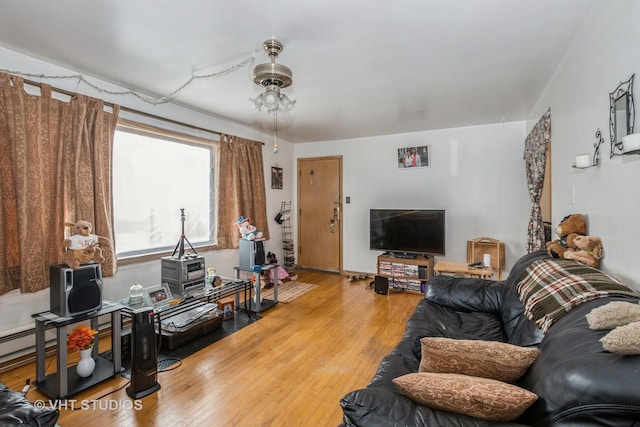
320, 213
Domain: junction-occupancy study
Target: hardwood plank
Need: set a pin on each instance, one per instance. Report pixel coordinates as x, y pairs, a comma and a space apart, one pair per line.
289, 368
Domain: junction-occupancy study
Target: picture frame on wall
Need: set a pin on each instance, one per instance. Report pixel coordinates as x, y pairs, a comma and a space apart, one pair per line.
414, 157
276, 178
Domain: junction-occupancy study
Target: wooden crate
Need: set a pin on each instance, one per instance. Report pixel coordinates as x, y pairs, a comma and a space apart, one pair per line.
482, 248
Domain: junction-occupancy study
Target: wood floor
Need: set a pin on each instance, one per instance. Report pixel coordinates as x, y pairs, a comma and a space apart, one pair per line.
290, 368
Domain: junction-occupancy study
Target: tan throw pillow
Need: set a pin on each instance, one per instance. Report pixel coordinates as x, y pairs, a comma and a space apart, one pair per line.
623, 339
487, 359
478, 397
613, 314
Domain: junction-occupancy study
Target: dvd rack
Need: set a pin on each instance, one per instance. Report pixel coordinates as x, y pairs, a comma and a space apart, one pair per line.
406, 274
287, 237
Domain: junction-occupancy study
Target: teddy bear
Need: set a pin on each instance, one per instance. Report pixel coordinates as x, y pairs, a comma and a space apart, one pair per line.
248, 231
82, 247
585, 249
570, 224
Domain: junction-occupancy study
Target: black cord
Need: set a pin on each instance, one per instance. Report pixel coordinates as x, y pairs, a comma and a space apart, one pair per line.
74, 408
172, 366
113, 391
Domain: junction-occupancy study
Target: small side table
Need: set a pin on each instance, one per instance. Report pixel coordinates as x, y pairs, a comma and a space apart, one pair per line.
266, 303
452, 267
65, 381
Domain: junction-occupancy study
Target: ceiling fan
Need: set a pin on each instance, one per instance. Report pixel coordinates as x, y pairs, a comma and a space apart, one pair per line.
273, 77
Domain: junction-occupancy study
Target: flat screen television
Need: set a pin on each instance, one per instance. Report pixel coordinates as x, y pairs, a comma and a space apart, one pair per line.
407, 232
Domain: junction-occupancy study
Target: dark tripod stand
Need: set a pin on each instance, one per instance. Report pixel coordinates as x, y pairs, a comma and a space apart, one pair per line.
180, 246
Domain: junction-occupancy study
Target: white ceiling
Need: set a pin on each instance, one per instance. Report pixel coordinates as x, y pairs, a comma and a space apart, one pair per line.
360, 67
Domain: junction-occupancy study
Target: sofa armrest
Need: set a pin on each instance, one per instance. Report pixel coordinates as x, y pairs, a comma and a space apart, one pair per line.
466, 294
15, 409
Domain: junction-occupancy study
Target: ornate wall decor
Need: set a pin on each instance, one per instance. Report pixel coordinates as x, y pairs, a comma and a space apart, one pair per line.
622, 115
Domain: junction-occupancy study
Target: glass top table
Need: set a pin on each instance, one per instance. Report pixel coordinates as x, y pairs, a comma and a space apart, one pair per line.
162, 301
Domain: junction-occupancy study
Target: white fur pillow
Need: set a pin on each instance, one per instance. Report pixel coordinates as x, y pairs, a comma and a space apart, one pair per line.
623, 340
613, 314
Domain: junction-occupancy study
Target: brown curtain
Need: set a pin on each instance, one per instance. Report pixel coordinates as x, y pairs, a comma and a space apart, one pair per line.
535, 156
241, 189
55, 167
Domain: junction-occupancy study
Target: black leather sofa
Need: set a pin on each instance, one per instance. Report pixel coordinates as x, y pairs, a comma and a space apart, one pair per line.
577, 382
17, 410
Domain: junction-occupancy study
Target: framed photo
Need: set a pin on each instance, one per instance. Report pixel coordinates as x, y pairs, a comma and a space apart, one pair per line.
414, 157
158, 296
227, 309
276, 178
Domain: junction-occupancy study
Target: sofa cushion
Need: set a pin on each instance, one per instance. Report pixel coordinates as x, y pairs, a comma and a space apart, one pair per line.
613, 314
577, 381
550, 288
466, 294
518, 329
441, 321
388, 407
486, 359
482, 398
623, 340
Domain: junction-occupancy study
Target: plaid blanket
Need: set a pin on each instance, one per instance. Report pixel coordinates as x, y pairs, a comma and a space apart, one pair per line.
550, 288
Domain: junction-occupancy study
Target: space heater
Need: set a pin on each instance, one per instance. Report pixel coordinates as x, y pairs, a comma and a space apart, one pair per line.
144, 354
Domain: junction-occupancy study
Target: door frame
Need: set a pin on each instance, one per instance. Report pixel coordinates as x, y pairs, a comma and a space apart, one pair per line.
340, 193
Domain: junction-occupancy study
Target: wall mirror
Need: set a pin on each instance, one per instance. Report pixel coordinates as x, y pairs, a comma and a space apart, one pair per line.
622, 114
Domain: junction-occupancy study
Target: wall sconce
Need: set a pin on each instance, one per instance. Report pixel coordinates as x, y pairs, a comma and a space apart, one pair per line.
585, 161
631, 144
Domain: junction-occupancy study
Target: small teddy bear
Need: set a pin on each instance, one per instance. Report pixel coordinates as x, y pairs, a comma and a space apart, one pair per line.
585, 249
82, 247
248, 231
570, 224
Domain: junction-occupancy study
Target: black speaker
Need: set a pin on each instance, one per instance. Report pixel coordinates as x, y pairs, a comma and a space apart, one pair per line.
144, 354
381, 285
422, 273
251, 253
75, 292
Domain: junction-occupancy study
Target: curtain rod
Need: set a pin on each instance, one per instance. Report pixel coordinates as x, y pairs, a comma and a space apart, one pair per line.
127, 109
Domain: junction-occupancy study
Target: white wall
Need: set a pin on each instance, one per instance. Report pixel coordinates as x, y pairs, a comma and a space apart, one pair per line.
476, 174
16, 308
603, 54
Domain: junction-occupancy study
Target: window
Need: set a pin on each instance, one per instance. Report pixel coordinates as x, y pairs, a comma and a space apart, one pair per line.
154, 176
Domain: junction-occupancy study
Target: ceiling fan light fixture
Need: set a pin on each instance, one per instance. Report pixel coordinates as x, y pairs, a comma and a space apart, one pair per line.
286, 103
271, 100
272, 77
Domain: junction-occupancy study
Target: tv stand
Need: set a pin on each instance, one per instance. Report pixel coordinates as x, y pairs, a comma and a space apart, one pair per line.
406, 274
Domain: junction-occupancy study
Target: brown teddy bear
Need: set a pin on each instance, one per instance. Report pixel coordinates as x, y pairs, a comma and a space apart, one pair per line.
82, 247
585, 249
570, 224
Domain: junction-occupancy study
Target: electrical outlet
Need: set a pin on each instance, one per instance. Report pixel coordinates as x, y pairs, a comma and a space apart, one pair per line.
347, 199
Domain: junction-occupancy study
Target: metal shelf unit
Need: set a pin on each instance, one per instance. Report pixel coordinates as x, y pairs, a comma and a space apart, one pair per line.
288, 254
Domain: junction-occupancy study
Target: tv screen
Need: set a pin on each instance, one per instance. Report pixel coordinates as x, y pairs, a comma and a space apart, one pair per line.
407, 232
